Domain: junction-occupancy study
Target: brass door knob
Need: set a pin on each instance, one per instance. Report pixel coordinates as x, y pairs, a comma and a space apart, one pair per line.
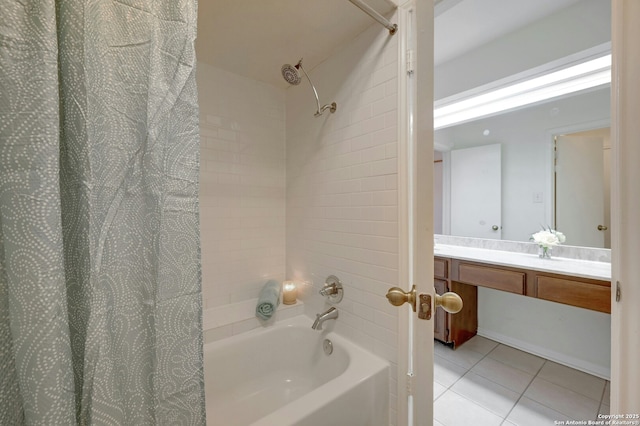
397, 297
602, 228
450, 302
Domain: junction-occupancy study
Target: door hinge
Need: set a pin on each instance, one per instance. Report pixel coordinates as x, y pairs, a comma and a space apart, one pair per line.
618, 291
410, 383
410, 61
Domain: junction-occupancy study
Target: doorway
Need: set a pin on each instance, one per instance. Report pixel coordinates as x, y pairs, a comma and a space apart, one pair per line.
582, 187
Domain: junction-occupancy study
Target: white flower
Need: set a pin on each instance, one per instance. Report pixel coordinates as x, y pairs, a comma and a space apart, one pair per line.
548, 238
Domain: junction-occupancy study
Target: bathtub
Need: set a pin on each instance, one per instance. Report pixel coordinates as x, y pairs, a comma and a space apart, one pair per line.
280, 375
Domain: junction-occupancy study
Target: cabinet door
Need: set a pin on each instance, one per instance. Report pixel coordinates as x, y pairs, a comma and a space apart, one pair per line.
440, 320
463, 325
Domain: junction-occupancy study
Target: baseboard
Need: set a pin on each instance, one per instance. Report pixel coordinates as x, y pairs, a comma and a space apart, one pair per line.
560, 358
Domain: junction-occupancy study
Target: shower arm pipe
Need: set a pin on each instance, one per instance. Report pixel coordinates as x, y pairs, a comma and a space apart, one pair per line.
320, 110
393, 28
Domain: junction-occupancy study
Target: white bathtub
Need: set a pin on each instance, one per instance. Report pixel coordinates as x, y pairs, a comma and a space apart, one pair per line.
280, 376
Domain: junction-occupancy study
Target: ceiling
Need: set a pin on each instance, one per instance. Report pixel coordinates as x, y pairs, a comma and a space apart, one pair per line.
462, 25
254, 38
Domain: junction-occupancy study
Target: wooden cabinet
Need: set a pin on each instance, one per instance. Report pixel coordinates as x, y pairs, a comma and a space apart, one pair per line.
584, 293
441, 268
491, 277
464, 277
454, 329
463, 325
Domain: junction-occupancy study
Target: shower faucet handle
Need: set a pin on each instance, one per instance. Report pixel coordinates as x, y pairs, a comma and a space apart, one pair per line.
332, 289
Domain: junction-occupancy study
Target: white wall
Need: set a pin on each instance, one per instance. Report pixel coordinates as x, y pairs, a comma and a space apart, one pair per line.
525, 134
579, 338
242, 185
342, 201
583, 25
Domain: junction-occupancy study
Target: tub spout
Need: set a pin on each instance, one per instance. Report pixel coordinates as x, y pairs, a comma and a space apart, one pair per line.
331, 313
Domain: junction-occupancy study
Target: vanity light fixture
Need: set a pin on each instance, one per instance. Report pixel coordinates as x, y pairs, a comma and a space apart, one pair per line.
585, 75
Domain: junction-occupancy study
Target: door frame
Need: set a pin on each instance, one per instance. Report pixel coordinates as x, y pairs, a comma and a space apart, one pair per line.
625, 201
415, 208
423, 209
625, 205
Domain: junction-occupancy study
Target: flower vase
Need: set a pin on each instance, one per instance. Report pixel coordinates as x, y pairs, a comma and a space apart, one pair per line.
544, 252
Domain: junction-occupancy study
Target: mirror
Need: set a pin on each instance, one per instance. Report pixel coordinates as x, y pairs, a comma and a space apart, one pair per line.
582, 202
530, 192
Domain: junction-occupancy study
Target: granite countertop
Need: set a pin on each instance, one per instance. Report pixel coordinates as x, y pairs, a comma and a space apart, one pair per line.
556, 265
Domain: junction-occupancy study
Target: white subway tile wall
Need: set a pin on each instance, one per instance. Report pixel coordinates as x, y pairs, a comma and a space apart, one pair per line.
327, 184
242, 185
342, 200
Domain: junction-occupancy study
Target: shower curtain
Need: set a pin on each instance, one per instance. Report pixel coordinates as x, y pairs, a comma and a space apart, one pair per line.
100, 304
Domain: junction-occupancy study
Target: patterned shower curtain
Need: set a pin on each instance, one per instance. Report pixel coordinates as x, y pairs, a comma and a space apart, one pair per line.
100, 304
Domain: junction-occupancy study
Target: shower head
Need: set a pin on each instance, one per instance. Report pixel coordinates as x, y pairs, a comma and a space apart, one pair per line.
290, 74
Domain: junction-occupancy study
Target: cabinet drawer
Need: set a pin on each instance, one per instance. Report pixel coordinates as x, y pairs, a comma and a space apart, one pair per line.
440, 268
499, 279
576, 293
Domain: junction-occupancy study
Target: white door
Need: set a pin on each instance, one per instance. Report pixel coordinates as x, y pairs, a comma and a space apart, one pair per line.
476, 192
625, 103
415, 337
415, 187
580, 207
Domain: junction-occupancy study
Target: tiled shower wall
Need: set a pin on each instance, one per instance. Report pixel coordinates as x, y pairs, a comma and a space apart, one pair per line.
342, 198
337, 184
242, 185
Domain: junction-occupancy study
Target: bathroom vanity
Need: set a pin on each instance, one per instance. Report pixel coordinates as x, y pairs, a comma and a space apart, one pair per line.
584, 284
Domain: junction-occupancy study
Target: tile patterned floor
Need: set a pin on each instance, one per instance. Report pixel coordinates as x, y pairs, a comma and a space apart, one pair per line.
484, 383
